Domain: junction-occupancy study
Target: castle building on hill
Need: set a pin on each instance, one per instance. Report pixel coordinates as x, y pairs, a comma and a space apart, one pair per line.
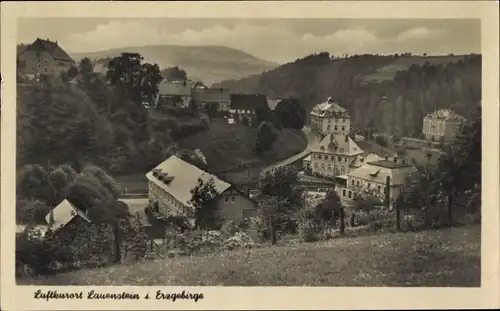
330, 118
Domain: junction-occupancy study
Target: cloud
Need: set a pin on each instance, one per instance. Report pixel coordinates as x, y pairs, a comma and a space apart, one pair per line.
419, 33
271, 41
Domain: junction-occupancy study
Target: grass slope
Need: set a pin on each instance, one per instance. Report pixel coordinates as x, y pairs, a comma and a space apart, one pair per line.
388, 72
207, 63
230, 147
447, 257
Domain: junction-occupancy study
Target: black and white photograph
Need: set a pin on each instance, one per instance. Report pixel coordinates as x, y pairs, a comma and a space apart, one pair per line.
264, 151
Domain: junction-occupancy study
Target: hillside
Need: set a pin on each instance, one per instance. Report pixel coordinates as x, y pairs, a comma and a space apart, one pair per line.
229, 148
402, 63
206, 63
448, 257
396, 104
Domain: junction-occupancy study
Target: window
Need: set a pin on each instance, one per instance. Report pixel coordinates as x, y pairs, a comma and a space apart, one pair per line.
233, 199
352, 182
335, 127
331, 158
226, 199
349, 194
322, 166
378, 188
339, 159
343, 128
45, 69
343, 192
357, 183
329, 167
341, 169
328, 127
368, 185
315, 165
45, 61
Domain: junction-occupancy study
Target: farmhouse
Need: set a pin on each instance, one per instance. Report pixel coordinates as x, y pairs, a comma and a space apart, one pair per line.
330, 117
43, 58
170, 185
247, 105
210, 96
441, 125
63, 214
176, 93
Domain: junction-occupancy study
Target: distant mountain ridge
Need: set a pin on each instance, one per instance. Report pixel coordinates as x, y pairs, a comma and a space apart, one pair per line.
209, 64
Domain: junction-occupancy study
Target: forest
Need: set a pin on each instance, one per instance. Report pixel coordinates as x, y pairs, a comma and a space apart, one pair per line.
392, 106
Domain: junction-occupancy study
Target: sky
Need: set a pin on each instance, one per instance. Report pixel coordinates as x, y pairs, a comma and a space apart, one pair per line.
279, 40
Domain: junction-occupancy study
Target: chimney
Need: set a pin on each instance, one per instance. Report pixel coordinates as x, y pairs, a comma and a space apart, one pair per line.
346, 138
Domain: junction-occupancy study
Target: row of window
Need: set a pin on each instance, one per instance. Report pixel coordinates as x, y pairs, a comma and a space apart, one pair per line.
335, 128
379, 188
330, 167
166, 197
230, 200
38, 62
335, 120
331, 158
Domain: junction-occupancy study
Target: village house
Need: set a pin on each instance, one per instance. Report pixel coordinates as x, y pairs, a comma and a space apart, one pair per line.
210, 96
177, 93
330, 118
372, 178
170, 184
441, 125
247, 105
334, 155
63, 214
43, 58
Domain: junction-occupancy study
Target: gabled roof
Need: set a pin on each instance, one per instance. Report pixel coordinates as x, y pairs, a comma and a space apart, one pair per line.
185, 177
329, 108
209, 95
364, 158
378, 174
272, 102
176, 88
338, 144
248, 101
52, 48
63, 213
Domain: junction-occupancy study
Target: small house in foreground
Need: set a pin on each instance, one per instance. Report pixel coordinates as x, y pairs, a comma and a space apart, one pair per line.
170, 185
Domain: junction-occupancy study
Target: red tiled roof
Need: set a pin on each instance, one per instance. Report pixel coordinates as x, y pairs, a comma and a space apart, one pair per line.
51, 47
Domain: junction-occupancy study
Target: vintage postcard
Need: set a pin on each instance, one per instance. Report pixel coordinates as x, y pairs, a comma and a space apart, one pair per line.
249, 155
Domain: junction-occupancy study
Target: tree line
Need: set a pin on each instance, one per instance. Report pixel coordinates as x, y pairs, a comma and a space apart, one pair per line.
396, 106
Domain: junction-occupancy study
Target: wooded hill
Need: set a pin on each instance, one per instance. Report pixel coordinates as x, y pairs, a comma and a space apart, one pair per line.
393, 105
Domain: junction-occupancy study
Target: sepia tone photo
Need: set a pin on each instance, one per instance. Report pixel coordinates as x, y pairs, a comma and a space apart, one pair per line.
189, 151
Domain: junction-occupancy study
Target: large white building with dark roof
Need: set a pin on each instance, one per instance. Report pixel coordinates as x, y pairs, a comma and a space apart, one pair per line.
334, 155
330, 118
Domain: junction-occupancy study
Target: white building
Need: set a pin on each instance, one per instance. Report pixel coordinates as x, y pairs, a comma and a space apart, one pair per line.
372, 177
330, 117
334, 155
442, 124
